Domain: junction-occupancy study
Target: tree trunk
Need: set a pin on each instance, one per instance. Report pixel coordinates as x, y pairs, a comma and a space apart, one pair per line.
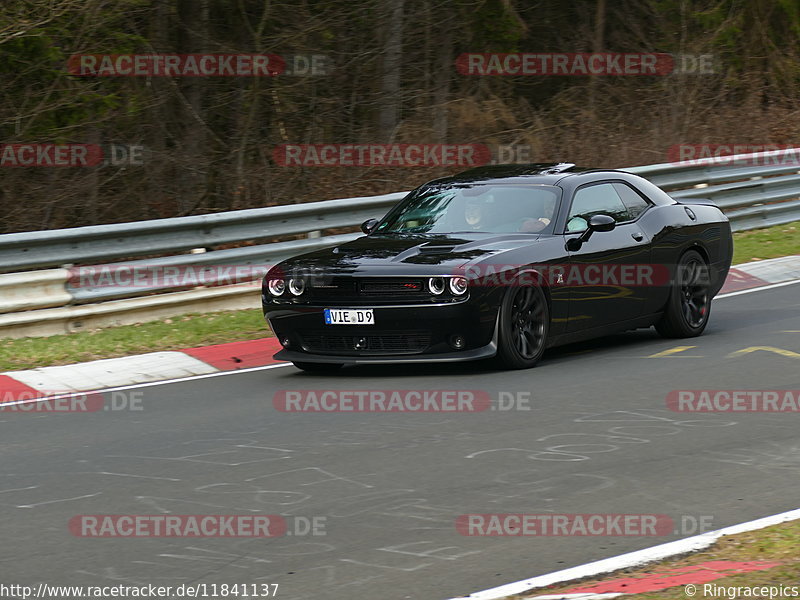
194, 21
389, 117
441, 93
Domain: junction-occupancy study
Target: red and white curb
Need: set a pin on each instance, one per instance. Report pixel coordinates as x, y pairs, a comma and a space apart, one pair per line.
636, 559
140, 369
660, 579
762, 273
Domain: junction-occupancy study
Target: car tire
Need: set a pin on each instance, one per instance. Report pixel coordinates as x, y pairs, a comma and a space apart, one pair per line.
318, 367
689, 304
524, 327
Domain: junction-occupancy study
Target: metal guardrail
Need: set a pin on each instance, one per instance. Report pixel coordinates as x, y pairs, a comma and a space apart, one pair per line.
752, 195
87, 245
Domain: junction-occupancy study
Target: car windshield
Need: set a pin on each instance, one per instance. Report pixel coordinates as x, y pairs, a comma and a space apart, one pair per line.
475, 208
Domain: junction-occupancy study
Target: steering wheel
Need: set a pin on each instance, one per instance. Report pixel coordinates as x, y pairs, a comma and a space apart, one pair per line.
534, 225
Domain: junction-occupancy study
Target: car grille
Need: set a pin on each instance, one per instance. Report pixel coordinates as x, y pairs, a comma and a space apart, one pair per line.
323, 342
379, 288
341, 289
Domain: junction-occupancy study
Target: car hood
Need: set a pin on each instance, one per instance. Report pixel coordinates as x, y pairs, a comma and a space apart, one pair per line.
407, 254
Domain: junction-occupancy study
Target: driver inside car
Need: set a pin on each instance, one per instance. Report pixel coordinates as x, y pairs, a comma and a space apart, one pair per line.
476, 211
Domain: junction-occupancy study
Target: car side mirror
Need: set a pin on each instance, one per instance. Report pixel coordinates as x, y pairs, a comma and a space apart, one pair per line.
369, 225
596, 223
602, 223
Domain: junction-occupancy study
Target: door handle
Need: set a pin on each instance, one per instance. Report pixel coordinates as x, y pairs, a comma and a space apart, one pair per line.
638, 236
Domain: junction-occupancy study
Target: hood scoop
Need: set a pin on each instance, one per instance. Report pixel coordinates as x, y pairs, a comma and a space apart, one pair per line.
430, 248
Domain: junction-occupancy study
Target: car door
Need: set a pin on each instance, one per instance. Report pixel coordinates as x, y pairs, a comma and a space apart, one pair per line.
605, 275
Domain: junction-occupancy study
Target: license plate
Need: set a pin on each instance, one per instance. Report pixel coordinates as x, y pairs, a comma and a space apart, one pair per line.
349, 316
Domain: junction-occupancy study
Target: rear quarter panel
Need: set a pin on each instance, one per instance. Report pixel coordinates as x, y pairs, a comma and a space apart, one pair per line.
673, 232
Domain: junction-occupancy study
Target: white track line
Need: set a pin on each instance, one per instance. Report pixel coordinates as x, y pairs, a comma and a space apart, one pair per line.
631, 559
758, 289
134, 386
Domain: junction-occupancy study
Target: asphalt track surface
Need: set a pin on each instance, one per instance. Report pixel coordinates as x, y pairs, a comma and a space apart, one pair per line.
599, 438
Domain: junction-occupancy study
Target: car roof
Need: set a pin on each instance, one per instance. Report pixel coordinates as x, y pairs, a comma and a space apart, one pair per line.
542, 173
565, 175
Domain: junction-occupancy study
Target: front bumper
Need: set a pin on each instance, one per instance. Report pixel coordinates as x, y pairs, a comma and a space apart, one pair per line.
486, 351
401, 334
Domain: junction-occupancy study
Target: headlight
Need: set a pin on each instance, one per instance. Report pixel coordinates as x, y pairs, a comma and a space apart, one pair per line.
458, 285
436, 285
297, 286
276, 286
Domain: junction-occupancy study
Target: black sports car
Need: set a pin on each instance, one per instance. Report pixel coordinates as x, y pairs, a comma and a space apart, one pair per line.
503, 261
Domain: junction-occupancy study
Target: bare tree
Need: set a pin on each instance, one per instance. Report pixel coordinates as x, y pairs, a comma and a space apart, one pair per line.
389, 116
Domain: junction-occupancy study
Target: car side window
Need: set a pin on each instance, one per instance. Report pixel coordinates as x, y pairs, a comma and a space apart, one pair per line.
600, 199
635, 204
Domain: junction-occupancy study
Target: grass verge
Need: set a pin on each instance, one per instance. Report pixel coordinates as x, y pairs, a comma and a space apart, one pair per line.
216, 328
778, 543
185, 331
773, 242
